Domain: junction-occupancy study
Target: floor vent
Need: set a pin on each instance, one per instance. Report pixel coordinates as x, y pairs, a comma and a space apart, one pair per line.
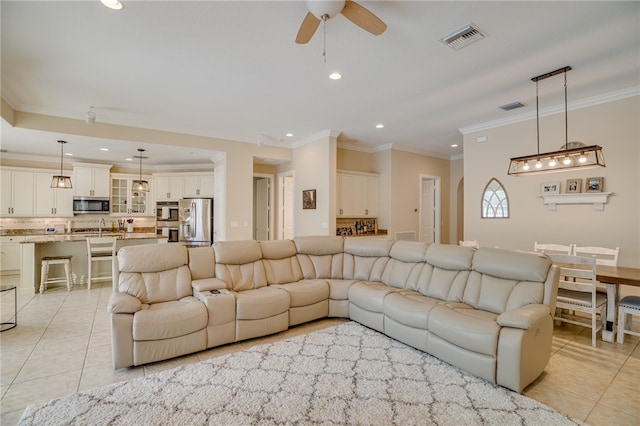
406, 236
463, 37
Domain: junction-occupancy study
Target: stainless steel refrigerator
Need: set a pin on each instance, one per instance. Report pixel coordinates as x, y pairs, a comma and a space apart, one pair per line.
196, 220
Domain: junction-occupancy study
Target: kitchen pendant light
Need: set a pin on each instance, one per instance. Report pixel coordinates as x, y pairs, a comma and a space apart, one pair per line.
140, 185
571, 156
60, 181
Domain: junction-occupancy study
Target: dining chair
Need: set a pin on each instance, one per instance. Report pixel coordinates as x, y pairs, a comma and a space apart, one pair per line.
604, 255
552, 248
628, 307
469, 243
577, 292
100, 249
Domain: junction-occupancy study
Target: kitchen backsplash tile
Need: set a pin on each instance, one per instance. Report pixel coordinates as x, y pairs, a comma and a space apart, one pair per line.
32, 225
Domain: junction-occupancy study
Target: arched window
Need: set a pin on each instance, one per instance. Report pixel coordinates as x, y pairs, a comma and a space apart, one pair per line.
495, 203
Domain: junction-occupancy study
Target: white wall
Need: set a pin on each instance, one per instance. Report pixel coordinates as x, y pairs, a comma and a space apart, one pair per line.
614, 126
315, 168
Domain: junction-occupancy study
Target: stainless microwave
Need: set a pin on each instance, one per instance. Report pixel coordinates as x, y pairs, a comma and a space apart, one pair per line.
96, 205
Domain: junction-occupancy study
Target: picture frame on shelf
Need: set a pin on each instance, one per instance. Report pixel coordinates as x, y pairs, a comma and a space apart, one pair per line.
573, 186
550, 188
309, 199
594, 184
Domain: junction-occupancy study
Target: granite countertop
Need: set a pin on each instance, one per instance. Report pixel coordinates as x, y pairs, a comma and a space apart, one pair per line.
72, 237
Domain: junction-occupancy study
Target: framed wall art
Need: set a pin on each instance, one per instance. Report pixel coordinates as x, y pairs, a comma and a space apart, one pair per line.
309, 199
594, 184
550, 188
573, 186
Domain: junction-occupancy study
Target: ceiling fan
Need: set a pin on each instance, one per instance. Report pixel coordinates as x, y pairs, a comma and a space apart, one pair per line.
323, 10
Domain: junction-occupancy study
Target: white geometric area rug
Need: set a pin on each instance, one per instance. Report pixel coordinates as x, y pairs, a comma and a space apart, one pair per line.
342, 375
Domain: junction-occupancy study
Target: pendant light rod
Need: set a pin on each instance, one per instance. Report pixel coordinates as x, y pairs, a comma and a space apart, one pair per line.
61, 154
551, 74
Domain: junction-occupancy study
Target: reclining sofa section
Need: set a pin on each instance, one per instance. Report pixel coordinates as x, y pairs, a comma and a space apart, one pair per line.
488, 311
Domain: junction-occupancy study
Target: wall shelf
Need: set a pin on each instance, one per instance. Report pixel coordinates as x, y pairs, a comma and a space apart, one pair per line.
598, 199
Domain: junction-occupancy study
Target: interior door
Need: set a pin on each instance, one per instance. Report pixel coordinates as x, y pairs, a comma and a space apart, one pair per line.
287, 207
428, 213
261, 209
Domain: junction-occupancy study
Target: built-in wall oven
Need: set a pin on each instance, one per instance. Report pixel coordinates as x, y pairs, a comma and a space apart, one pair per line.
167, 223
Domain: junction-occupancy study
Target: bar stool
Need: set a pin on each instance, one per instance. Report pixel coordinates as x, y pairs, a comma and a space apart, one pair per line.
100, 249
627, 308
55, 260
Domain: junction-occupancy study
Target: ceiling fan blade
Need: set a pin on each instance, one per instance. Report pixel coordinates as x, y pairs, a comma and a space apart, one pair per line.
363, 18
307, 29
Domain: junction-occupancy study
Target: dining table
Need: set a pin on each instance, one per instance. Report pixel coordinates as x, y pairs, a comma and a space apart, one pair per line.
614, 277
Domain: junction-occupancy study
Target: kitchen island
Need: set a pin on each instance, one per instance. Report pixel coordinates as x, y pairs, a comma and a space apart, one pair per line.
34, 248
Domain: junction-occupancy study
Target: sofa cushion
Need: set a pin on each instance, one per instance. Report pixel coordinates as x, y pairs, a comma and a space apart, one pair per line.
410, 308
156, 287
405, 264
242, 277
498, 295
280, 262
202, 262
365, 258
369, 295
470, 329
152, 257
305, 292
339, 289
320, 256
261, 303
237, 252
319, 245
512, 264
450, 257
167, 320
443, 284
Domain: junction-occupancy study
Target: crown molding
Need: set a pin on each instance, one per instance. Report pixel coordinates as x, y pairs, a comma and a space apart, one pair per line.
328, 133
583, 103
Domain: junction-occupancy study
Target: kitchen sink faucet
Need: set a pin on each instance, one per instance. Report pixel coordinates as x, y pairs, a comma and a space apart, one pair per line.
100, 225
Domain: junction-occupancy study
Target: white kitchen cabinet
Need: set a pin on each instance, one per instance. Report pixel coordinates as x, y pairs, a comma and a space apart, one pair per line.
50, 201
125, 201
198, 185
91, 180
10, 255
357, 195
168, 187
17, 193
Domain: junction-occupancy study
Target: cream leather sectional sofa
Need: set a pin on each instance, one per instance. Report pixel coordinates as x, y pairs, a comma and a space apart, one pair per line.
488, 311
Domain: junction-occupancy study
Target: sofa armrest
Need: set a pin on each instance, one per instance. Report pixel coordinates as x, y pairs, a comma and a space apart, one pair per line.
523, 317
207, 284
123, 303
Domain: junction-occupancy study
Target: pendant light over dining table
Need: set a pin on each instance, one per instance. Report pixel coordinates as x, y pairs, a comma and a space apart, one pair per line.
571, 156
140, 185
60, 181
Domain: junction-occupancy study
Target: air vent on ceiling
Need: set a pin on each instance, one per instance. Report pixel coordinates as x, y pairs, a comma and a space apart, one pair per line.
512, 105
463, 37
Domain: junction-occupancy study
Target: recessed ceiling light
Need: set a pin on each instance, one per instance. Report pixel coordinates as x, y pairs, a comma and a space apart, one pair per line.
454, 145
104, 149
113, 4
69, 154
335, 76
128, 159
289, 135
379, 126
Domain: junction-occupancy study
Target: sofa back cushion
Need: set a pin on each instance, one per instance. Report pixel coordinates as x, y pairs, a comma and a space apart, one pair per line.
320, 256
365, 258
406, 260
280, 262
202, 262
154, 273
506, 279
239, 264
445, 274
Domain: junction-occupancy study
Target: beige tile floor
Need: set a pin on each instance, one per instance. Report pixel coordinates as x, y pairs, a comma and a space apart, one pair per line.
62, 345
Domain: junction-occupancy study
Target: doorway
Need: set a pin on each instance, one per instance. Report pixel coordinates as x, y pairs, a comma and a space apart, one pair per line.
262, 202
429, 209
286, 203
